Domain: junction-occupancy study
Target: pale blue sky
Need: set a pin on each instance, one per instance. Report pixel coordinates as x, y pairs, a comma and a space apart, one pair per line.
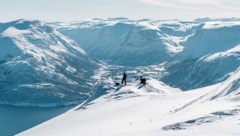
71, 10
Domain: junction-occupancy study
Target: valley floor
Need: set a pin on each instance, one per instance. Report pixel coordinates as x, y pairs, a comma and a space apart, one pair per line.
151, 110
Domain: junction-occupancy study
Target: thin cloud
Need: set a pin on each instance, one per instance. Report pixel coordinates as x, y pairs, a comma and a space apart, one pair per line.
192, 4
181, 2
205, 6
206, 2
177, 4
197, 8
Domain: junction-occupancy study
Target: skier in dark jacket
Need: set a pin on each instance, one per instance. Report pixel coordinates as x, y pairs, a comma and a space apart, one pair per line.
143, 80
124, 78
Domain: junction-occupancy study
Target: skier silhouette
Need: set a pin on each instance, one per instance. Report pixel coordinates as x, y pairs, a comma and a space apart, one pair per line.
124, 78
142, 80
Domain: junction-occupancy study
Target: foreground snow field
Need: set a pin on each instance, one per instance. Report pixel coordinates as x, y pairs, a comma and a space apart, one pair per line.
151, 110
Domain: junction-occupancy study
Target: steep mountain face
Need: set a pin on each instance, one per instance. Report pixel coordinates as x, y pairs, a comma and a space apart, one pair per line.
128, 43
183, 47
41, 67
207, 58
229, 89
211, 40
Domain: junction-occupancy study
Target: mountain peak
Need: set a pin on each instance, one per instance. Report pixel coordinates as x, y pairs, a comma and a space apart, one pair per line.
43, 58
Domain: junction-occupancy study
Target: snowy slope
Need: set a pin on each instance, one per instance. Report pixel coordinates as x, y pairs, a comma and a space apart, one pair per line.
229, 89
170, 54
207, 70
181, 46
211, 52
211, 39
122, 42
148, 112
41, 67
194, 54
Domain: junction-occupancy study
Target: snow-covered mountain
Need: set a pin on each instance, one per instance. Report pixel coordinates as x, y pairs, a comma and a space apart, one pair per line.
207, 70
185, 55
41, 67
183, 47
49, 64
122, 42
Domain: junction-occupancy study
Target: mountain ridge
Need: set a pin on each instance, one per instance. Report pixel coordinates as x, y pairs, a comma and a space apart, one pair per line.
39, 66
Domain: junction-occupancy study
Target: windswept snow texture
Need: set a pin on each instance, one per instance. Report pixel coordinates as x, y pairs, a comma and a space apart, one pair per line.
151, 110
41, 67
195, 54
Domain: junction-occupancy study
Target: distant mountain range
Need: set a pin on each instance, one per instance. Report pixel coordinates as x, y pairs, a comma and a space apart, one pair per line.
54, 64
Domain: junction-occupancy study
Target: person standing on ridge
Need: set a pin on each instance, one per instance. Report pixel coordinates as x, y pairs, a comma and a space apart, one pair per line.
143, 80
124, 78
